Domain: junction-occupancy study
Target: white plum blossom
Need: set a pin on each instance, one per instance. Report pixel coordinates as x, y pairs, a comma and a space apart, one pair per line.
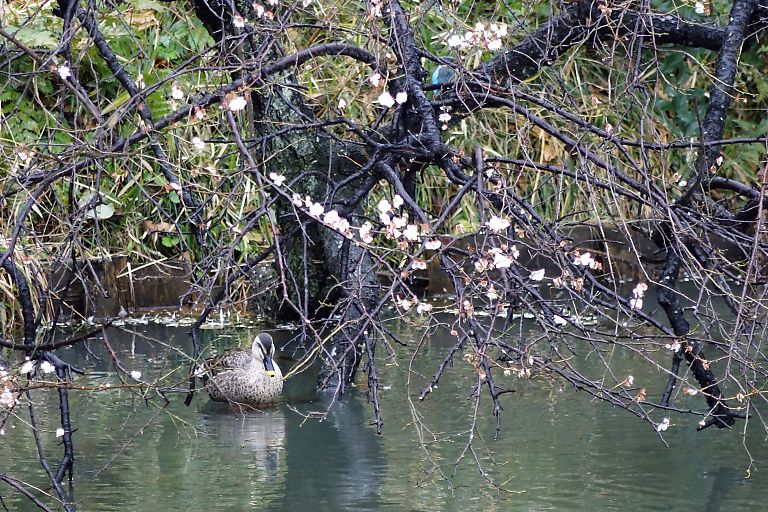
397, 201
638, 292
482, 265
401, 97
404, 303
47, 367
277, 179
315, 209
342, 103
237, 103
498, 224
7, 398
399, 222
585, 260
455, 41
64, 71
365, 232
500, 260
140, 84
444, 117
384, 206
375, 79
27, 367
135, 375
238, 21
296, 200
663, 426
385, 99
335, 221
699, 7
499, 30
537, 275
494, 44
331, 218
423, 307
560, 320
59, 432
176, 92
491, 294
411, 232
433, 244
630, 380
419, 264
674, 347
198, 143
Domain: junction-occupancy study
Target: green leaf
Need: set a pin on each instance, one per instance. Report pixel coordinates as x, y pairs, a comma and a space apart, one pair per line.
170, 241
36, 37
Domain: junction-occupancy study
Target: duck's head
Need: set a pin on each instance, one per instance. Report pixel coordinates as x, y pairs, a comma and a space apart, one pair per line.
264, 350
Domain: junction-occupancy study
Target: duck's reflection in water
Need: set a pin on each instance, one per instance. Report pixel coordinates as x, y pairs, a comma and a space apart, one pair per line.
259, 432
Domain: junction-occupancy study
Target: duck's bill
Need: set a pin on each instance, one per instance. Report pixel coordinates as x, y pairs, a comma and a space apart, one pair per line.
269, 367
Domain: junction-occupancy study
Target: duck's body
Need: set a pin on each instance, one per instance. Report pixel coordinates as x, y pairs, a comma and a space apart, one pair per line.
246, 376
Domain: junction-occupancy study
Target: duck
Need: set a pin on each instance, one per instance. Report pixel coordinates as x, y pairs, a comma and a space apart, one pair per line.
243, 376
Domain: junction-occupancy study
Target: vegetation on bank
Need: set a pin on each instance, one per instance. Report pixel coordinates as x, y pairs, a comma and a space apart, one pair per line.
172, 58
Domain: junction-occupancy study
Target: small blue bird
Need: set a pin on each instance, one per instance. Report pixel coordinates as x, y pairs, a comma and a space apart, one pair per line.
442, 75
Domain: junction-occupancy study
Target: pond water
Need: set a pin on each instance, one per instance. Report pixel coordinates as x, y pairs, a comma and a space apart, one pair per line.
557, 449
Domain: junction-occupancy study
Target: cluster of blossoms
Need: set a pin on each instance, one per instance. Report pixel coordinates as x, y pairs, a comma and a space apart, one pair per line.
444, 116
586, 260
700, 8
29, 367
674, 347
406, 303
397, 227
176, 95
497, 257
522, 372
663, 426
385, 99
636, 302
483, 36
7, 398
498, 224
331, 218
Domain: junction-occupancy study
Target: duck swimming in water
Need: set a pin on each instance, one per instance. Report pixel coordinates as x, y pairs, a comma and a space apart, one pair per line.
245, 376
